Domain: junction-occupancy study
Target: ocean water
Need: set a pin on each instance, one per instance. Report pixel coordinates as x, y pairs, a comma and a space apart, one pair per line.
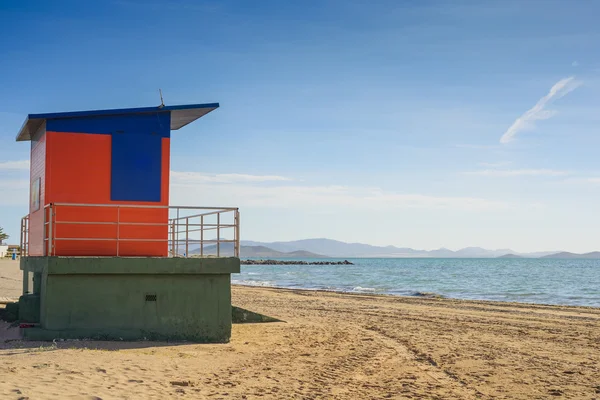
542, 281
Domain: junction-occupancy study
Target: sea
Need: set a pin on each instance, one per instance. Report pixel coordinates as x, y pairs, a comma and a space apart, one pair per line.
540, 281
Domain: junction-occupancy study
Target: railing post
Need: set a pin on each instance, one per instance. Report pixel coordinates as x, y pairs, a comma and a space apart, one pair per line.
237, 233
218, 234
177, 233
26, 241
187, 231
50, 227
173, 238
118, 227
45, 235
22, 234
202, 236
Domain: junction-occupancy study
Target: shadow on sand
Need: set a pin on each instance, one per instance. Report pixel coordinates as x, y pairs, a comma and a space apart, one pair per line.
10, 337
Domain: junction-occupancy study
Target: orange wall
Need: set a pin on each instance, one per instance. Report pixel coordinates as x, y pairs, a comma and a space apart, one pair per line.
78, 170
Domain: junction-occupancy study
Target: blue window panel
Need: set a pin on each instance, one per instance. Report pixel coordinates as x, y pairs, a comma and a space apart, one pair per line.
148, 124
136, 167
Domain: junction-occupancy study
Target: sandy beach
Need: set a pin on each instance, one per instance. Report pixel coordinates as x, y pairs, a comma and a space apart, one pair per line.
331, 346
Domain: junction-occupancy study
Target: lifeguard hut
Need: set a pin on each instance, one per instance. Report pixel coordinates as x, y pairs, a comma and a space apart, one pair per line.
110, 257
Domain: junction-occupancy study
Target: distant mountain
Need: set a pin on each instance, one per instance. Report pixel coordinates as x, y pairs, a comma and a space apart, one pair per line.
567, 255
511, 256
334, 248
478, 252
226, 249
537, 254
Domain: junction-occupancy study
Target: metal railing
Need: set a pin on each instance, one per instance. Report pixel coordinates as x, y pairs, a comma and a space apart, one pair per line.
24, 244
188, 231
199, 223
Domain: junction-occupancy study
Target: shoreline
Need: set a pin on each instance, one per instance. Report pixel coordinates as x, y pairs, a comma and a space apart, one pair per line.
425, 296
434, 297
549, 282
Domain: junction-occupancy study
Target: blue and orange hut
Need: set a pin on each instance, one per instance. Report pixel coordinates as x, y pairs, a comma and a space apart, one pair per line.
103, 243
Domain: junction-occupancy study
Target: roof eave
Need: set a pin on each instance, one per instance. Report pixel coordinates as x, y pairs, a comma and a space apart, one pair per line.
186, 115
30, 126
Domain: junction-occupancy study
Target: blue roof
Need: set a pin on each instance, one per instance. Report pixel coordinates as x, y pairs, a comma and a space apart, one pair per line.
181, 115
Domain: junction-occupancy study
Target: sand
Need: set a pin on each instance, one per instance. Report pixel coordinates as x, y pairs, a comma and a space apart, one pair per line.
11, 279
332, 346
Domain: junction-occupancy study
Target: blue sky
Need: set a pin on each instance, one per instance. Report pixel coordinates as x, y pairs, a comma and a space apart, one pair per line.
377, 122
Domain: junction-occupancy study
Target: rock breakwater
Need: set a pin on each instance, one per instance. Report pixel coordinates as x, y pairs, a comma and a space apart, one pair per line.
291, 262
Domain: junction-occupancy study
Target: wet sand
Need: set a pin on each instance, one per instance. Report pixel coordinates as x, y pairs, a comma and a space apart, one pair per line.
332, 346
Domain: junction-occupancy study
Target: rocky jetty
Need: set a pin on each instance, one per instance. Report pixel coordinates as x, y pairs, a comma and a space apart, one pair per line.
290, 262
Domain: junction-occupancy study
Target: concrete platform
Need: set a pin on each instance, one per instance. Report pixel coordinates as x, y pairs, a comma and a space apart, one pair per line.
120, 298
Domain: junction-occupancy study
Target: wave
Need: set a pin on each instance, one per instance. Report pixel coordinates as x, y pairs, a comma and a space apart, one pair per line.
429, 295
354, 289
360, 289
254, 283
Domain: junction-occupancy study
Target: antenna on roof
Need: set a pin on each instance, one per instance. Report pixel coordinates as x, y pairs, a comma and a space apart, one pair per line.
162, 103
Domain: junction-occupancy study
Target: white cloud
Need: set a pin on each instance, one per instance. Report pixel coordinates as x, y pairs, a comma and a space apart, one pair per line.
495, 165
14, 188
200, 177
517, 172
476, 146
241, 190
21, 165
14, 183
14, 192
539, 112
592, 180
298, 197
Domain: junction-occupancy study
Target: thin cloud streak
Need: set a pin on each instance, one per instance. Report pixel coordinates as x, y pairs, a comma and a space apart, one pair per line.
590, 180
201, 177
495, 165
325, 197
477, 146
539, 112
180, 176
517, 172
11, 165
19, 193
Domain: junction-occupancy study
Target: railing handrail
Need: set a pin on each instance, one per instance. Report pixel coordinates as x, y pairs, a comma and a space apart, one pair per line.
176, 228
112, 205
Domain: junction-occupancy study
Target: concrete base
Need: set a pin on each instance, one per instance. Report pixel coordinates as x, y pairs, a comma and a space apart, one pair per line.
10, 313
29, 308
133, 298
